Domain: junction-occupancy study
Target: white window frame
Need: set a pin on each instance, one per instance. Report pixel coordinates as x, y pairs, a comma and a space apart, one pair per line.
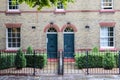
13, 10
11, 48
107, 37
103, 7
61, 9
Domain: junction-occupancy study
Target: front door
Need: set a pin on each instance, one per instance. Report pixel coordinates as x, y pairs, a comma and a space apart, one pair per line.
69, 45
52, 45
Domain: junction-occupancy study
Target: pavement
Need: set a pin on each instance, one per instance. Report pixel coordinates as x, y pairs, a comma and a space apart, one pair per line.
65, 77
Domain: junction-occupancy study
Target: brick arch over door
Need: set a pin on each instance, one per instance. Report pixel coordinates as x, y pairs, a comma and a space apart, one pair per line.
51, 25
70, 26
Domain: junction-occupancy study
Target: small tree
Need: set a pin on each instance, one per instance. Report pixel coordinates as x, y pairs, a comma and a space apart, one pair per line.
95, 50
20, 60
108, 61
29, 50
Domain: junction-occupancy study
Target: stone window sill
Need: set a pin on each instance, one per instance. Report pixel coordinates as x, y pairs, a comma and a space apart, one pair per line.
59, 11
107, 11
111, 49
13, 12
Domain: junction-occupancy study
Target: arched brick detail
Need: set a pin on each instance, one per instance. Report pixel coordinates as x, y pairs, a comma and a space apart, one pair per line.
70, 25
53, 25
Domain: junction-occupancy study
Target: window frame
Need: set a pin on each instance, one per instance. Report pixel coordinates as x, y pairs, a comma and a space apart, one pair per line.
103, 7
12, 10
107, 37
7, 43
60, 9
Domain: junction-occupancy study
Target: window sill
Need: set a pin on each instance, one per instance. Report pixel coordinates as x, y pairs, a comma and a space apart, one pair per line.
13, 12
107, 11
59, 11
10, 51
111, 49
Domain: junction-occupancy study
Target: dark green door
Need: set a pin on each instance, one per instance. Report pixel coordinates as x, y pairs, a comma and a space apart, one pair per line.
52, 45
69, 45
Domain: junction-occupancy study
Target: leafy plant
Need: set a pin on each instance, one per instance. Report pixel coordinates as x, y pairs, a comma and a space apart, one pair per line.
20, 60
6, 61
108, 61
94, 61
95, 50
29, 50
37, 61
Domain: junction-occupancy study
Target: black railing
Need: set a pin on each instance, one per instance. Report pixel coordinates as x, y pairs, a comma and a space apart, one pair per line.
84, 62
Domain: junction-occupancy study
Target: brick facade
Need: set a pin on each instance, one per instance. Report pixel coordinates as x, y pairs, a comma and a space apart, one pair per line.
80, 14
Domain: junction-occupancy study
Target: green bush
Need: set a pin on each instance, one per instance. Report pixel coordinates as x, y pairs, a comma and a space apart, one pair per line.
80, 62
20, 60
6, 61
108, 61
38, 61
94, 61
29, 50
29, 60
116, 57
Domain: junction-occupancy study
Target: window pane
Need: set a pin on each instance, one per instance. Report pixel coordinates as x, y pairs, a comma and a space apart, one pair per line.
14, 45
9, 45
111, 44
18, 29
111, 29
18, 40
110, 39
13, 34
9, 34
14, 40
18, 44
9, 40
9, 29
18, 34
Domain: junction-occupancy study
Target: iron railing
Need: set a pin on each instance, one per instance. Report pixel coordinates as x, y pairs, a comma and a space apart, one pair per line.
83, 62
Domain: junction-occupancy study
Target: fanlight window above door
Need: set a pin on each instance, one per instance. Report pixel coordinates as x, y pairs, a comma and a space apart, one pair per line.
68, 29
52, 29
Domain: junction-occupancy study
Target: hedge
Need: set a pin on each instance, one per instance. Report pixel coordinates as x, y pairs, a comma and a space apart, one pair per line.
93, 61
96, 60
108, 61
7, 61
38, 62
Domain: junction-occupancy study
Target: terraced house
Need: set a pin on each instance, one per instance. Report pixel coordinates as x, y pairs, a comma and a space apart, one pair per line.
84, 24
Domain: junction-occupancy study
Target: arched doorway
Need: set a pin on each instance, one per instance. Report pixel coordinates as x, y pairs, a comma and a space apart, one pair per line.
52, 42
68, 42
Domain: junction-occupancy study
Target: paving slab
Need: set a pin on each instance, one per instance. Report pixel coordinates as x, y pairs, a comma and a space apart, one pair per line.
65, 77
